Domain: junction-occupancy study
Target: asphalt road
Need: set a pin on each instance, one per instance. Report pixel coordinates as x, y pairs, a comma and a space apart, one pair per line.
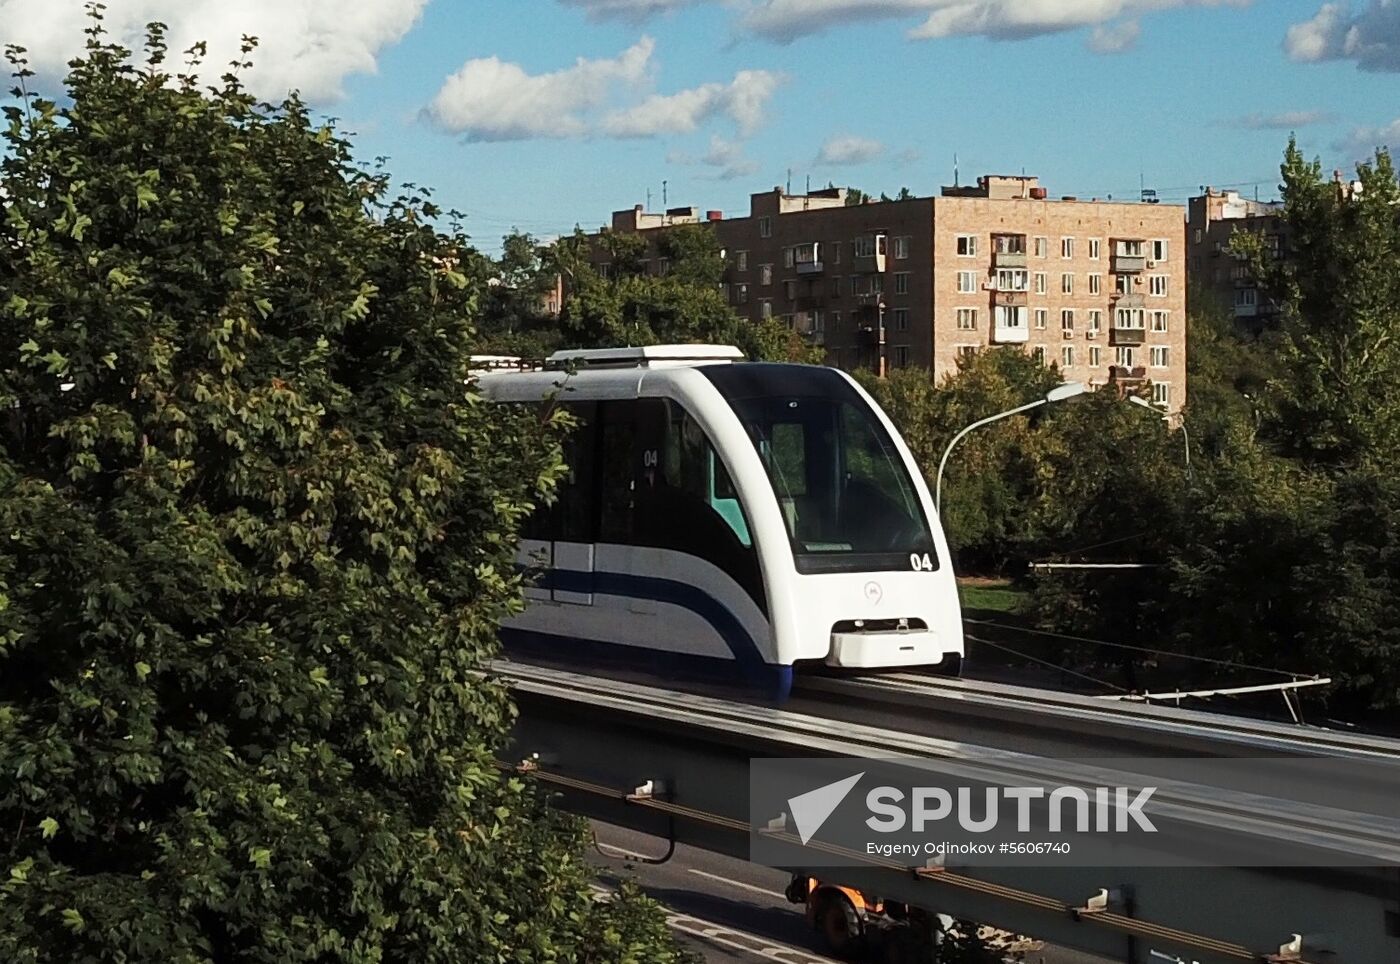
731, 911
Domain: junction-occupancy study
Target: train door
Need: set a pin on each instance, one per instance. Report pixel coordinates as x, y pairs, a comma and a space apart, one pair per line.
559, 541
575, 536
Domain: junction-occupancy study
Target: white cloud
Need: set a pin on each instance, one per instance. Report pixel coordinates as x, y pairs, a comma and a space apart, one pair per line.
308, 45
1286, 121
743, 100
848, 151
1371, 37
633, 10
491, 100
786, 20
727, 156
1115, 38
1362, 142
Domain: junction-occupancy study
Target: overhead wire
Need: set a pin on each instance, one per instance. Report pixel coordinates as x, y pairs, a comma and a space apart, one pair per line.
1045, 662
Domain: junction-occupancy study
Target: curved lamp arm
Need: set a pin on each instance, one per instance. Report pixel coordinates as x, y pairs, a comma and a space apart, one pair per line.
938, 485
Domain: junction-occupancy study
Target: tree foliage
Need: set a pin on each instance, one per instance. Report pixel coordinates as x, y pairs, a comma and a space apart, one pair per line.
258, 536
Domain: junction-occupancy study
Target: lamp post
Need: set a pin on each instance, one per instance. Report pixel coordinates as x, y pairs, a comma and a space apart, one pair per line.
1166, 417
1057, 394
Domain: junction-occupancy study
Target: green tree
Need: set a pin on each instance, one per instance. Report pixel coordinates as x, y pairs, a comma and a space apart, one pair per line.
258, 537
686, 303
1335, 403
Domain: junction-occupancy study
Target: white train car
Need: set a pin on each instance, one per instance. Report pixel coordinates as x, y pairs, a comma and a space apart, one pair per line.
729, 519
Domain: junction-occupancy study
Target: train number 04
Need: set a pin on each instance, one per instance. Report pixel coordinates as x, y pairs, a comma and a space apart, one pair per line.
920, 562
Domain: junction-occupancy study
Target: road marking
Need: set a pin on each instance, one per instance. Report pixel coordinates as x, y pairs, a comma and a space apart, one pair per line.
737, 883
735, 940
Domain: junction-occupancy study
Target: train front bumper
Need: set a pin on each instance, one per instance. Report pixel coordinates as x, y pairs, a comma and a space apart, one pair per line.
882, 650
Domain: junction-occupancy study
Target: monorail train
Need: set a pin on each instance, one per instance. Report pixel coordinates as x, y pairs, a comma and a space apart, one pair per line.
730, 519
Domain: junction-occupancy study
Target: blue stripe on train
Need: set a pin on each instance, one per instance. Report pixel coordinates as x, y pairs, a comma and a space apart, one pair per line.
748, 663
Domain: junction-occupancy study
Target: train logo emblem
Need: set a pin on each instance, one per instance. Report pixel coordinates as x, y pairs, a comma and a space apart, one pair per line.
873, 593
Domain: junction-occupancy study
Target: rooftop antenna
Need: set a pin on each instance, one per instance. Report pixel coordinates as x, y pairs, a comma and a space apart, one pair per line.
664, 201
648, 199
788, 190
956, 182
807, 198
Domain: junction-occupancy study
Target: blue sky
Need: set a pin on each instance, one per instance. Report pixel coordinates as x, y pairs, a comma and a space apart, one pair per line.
721, 97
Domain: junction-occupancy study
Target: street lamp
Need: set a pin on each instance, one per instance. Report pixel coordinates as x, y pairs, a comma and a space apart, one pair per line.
1057, 394
1166, 417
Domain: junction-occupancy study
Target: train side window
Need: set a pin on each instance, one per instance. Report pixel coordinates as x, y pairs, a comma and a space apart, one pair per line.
616, 480
692, 466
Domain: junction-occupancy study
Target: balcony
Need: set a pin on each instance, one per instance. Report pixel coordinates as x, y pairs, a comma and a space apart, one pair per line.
1129, 263
1010, 299
1010, 334
807, 303
809, 267
871, 299
1119, 373
1127, 336
868, 264
1130, 300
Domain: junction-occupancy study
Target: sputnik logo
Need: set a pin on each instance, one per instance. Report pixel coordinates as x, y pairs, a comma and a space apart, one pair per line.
811, 809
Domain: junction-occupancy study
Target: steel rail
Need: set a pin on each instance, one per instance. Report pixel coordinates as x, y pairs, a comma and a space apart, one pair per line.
1345, 833
1160, 725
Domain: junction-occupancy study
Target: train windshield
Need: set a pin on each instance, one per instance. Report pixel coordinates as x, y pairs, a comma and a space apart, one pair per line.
845, 494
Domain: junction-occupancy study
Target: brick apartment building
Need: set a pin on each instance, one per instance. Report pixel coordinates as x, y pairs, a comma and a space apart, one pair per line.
1212, 220
1097, 288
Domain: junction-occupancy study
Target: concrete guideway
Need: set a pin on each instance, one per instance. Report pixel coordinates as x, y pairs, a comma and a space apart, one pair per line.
600, 741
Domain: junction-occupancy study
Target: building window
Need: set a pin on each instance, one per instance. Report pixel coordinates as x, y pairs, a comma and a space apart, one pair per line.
1199, 235
863, 247
836, 285
1067, 247
1067, 356
1011, 279
967, 245
604, 270
1008, 316
1042, 318
765, 274
877, 283
765, 227
1157, 284
789, 290
787, 321
1095, 284
1159, 250
818, 322
1042, 282
855, 285
966, 352
1161, 393
967, 319
789, 257
967, 281
1157, 356
901, 283
1095, 320
1125, 356
901, 319
1095, 356
835, 252
836, 321
741, 294
1159, 321
901, 248
1130, 318
1094, 245
1038, 353
1067, 283
901, 356
1067, 319
765, 308
1042, 247
1246, 297
741, 260
1123, 284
